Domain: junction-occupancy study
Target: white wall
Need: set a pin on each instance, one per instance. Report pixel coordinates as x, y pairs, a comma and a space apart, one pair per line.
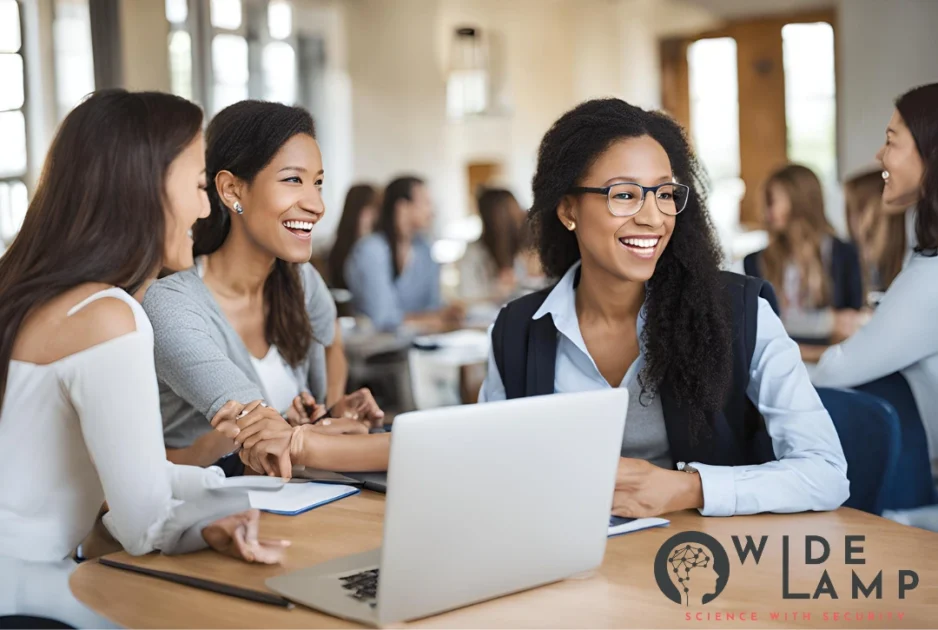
144, 41
884, 48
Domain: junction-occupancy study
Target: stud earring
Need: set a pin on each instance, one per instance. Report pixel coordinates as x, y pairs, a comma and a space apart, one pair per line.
238, 208
572, 226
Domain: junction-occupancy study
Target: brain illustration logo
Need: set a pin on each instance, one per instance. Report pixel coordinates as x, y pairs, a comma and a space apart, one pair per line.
692, 568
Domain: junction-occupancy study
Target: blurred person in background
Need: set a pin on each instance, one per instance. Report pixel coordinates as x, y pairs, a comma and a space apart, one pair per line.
391, 274
817, 276
488, 270
362, 204
878, 232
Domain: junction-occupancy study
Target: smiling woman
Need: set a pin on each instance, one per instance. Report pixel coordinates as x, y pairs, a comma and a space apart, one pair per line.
251, 320
620, 218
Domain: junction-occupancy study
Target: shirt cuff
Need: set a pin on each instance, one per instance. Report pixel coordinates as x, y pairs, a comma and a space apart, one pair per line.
719, 489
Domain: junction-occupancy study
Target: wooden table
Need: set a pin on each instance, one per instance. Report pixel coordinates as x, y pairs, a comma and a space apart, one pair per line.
621, 594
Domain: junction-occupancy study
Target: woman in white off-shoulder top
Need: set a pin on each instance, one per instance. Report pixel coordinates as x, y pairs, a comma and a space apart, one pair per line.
79, 409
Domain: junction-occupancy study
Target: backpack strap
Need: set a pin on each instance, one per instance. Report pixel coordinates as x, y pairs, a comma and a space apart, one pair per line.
524, 373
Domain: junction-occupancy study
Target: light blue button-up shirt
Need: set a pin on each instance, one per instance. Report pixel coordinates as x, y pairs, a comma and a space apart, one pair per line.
810, 472
386, 300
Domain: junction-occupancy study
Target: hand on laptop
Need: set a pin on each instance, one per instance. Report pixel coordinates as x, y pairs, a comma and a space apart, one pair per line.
236, 536
644, 490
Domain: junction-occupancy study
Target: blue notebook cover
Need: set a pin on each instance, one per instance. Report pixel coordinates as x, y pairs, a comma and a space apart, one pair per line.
296, 498
619, 525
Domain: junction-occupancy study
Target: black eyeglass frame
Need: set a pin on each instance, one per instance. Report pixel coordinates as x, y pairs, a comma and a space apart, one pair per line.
645, 190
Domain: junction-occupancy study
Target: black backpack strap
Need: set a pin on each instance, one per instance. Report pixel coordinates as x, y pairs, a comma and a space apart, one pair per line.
523, 373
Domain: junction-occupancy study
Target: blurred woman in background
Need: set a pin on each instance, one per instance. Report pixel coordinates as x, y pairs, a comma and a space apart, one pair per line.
816, 274
487, 271
359, 215
878, 232
391, 274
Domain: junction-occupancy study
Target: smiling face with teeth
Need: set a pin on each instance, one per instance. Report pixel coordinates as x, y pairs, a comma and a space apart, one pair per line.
628, 248
903, 168
282, 204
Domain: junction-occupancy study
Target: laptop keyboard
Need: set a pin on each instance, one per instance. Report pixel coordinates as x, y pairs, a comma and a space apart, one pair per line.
363, 586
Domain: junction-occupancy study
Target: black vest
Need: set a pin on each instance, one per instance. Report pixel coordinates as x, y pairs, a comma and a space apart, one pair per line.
525, 352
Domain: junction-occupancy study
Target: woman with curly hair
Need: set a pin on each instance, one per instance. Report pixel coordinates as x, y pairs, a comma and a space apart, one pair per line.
717, 386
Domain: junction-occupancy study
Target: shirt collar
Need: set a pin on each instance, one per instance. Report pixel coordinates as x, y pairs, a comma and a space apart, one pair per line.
561, 306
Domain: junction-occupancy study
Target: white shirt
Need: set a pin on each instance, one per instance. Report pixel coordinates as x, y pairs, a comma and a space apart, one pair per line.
279, 380
810, 472
79, 431
902, 336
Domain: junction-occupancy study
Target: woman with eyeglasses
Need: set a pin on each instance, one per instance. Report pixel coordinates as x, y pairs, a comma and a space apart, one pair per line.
722, 416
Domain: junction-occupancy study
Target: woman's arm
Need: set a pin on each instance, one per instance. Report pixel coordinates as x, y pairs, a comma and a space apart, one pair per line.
340, 453
188, 360
113, 389
205, 451
901, 332
336, 368
810, 472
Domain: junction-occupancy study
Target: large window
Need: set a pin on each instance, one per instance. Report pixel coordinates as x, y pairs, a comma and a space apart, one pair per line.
13, 194
74, 59
243, 49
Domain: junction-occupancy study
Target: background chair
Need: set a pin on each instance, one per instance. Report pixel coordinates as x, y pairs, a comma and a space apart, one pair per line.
870, 436
911, 485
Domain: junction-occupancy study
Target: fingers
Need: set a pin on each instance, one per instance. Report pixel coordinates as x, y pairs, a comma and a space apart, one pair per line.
297, 414
227, 412
285, 463
271, 551
241, 547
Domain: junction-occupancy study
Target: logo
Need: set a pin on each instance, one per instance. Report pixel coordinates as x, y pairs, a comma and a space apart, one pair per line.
692, 568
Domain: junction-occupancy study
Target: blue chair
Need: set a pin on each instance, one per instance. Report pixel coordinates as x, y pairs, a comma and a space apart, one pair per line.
869, 434
911, 486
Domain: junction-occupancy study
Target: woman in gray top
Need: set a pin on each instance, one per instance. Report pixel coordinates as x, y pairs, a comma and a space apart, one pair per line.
249, 322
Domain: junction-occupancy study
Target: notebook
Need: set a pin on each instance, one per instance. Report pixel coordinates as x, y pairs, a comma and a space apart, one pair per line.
296, 498
619, 525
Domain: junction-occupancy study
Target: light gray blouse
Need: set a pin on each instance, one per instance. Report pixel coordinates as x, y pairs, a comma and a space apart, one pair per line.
202, 363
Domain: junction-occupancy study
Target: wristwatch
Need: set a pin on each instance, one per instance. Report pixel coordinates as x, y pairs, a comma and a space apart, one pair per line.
683, 467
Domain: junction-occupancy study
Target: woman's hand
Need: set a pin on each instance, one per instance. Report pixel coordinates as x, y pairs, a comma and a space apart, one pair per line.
236, 536
360, 406
264, 437
643, 490
297, 415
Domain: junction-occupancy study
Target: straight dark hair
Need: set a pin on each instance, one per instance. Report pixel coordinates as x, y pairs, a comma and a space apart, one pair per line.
358, 198
242, 139
501, 234
99, 212
919, 109
400, 188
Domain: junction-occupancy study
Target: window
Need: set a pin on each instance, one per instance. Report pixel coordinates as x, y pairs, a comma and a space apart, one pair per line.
13, 193
810, 98
180, 48
74, 59
225, 51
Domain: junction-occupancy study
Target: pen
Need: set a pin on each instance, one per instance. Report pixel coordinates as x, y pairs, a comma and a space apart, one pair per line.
205, 585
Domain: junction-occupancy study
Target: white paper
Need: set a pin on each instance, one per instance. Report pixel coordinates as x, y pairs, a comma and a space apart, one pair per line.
294, 498
636, 525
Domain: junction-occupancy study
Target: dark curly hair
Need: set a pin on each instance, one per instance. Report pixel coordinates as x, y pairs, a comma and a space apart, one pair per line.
687, 336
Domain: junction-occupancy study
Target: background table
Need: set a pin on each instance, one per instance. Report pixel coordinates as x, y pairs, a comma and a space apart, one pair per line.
621, 594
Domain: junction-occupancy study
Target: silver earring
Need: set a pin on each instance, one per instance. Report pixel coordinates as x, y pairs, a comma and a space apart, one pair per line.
238, 208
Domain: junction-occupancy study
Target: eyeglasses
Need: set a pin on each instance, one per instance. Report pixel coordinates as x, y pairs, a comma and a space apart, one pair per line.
626, 199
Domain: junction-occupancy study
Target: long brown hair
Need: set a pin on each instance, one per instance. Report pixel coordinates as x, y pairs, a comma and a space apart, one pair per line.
919, 109
501, 234
242, 139
359, 197
400, 188
800, 241
98, 214
880, 237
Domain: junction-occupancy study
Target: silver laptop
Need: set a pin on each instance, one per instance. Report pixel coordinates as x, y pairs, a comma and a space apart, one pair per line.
483, 500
